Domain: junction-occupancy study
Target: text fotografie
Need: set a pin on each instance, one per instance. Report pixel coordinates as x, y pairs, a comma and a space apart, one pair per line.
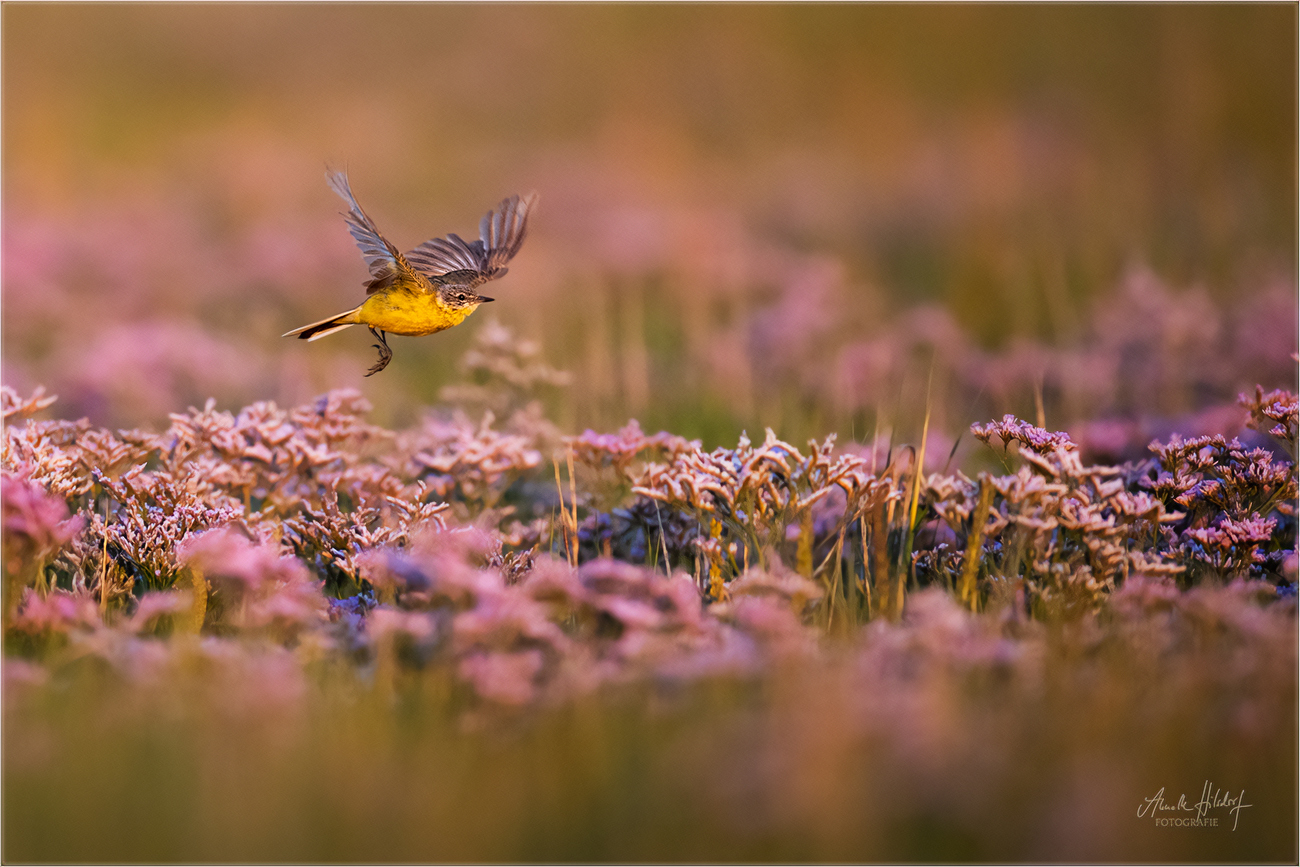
1212, 798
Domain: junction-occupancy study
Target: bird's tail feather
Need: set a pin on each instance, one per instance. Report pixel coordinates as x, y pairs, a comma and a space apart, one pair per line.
325, 327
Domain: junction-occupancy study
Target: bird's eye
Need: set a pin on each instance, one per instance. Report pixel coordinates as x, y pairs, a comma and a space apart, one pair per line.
460, 296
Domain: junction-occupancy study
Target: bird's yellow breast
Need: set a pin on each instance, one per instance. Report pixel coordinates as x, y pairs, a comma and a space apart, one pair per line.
408, 313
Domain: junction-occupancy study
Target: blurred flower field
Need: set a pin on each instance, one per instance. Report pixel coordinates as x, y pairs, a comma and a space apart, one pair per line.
285, 621
885, 449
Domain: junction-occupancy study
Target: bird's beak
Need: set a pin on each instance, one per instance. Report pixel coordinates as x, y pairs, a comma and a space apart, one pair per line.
483, 299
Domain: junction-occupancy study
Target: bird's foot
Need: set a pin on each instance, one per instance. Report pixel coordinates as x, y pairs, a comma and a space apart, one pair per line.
385, 354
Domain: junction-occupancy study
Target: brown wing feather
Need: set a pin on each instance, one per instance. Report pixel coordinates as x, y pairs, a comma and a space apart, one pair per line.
384, 260
502, 232
443, 255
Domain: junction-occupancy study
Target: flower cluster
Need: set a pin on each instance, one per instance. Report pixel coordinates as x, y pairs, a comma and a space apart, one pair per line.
467, 464
1236, 501
618, 451
748, 499
321, 485
317, 480
1276, 413
36, 525
1206, 504
13, 405
1012, 429
1056, 532
518, 631
252, 587
255, 564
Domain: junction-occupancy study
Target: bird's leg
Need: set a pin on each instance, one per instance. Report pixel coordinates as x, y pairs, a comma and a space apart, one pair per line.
385, 354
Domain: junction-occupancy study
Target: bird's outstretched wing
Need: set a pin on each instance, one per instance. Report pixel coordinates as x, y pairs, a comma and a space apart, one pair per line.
382, 258
501, 231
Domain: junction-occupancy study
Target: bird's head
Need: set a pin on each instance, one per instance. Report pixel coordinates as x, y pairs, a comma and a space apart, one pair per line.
461, 297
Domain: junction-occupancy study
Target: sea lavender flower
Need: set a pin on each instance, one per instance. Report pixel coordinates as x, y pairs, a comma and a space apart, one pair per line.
1215, 479
1230, 546
776, 628
46, 453
45, 621
755, 493
36, 525
157, 609
619, 450
1075, 528
409, 636
507, 678
790, 588
12, 404
467, 464
1012, 429
1277, 413
154, 513
256, 585
505, 620
436, 569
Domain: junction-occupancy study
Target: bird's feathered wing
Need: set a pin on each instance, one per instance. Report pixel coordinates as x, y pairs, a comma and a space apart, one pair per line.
501, 231
384, 260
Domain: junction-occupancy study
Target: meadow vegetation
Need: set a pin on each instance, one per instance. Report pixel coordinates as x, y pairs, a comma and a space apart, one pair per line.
885, 450
481, 639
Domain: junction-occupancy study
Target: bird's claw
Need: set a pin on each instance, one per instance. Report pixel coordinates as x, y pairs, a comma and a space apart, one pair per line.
385, 354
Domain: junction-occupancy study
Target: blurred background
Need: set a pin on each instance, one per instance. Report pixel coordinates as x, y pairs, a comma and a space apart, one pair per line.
792, 216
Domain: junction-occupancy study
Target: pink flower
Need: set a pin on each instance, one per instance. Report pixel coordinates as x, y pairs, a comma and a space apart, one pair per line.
289, 607
12, 404
229, 559
383, 622
504, 619
154, 606
263, 588
555, 583
1012, 429
790, 588
772, 622
621, 449
36, 523
55, 612
508, 678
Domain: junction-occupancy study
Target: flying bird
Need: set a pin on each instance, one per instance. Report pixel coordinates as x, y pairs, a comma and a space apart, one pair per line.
428, 289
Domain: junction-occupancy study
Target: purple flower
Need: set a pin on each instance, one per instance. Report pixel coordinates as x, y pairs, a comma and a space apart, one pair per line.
507, 678
1012, 429
36, 524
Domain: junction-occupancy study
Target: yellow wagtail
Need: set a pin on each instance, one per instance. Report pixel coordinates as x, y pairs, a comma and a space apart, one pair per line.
431, 288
